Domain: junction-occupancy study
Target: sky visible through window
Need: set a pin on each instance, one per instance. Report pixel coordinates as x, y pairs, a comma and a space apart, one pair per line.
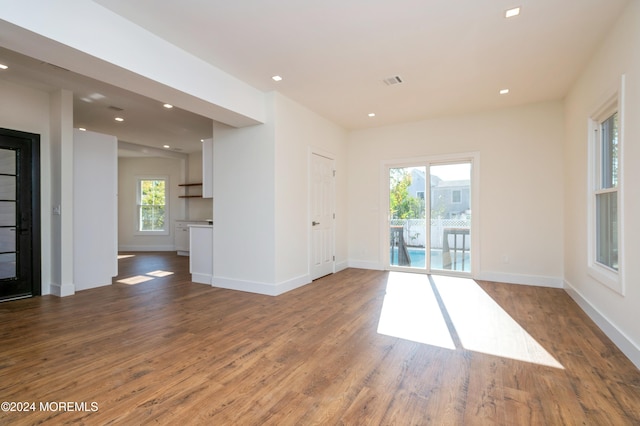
449, 172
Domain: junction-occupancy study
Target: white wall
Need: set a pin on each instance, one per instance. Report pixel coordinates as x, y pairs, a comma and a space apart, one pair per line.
95, 252
298, 131
62, 153
520, 188
28, 110
619, 54
261, 191
129, 168
244, 207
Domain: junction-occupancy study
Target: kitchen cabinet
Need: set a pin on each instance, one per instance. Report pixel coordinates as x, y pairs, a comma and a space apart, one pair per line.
201, 253
207, 168
182, 237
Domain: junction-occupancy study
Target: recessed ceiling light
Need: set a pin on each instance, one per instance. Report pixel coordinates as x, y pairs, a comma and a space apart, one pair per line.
510, 13
119, 119
372, 114
276, 78
166, 146
168, 106
82, 129
3, 67
504, 91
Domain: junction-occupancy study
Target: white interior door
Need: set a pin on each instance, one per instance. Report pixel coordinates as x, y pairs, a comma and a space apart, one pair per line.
322, 216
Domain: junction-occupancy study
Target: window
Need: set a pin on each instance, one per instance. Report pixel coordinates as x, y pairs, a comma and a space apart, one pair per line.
456, 196
605, 192
152, 214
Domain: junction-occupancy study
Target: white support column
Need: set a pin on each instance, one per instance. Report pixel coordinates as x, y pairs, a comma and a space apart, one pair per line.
61, 109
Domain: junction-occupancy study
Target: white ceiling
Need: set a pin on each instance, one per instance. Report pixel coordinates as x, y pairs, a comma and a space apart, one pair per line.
96, 105
453, 55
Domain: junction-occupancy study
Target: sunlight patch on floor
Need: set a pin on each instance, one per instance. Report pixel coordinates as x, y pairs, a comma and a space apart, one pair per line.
410, 311
148, 276
137, 279
125, 256
159, 273
483, 326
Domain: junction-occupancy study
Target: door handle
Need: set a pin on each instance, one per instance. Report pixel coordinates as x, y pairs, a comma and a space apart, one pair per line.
314, 223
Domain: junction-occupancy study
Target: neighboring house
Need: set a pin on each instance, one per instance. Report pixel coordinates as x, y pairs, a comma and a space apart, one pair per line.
449, 199
417, 187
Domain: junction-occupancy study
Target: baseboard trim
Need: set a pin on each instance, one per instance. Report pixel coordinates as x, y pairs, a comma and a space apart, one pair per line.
201, 278
261, 288
531, 280
619, 338
62, 290
293, 283
341, 266
364, 264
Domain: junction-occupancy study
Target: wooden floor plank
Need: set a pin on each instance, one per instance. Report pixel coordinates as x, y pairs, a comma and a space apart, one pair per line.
170, 351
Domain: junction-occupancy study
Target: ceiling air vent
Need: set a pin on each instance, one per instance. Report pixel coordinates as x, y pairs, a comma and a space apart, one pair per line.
390, 81
115, 108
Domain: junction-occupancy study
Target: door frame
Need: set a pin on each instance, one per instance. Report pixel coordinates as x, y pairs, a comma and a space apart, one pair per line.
474, 159
35, 219
332, 157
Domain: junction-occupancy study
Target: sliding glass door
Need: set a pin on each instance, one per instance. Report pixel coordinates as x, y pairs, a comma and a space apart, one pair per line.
407, 212
450, 219
430, 217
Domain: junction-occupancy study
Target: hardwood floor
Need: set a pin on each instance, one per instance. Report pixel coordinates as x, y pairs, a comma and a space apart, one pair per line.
169, 351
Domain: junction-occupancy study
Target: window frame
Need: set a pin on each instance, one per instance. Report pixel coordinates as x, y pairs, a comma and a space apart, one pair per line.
474, 206
606, 275
138, 206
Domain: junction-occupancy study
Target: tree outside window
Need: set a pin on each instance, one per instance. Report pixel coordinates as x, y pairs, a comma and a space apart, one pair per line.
403, 205
152, 195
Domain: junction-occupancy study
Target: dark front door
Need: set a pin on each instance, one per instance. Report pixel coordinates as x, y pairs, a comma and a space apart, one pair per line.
19, 214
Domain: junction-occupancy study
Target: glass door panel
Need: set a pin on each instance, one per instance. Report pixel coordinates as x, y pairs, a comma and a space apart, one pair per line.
8, 216
407, 213
450, 219
19, 214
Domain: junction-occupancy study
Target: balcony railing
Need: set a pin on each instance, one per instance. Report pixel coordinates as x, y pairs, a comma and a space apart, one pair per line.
414, 230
